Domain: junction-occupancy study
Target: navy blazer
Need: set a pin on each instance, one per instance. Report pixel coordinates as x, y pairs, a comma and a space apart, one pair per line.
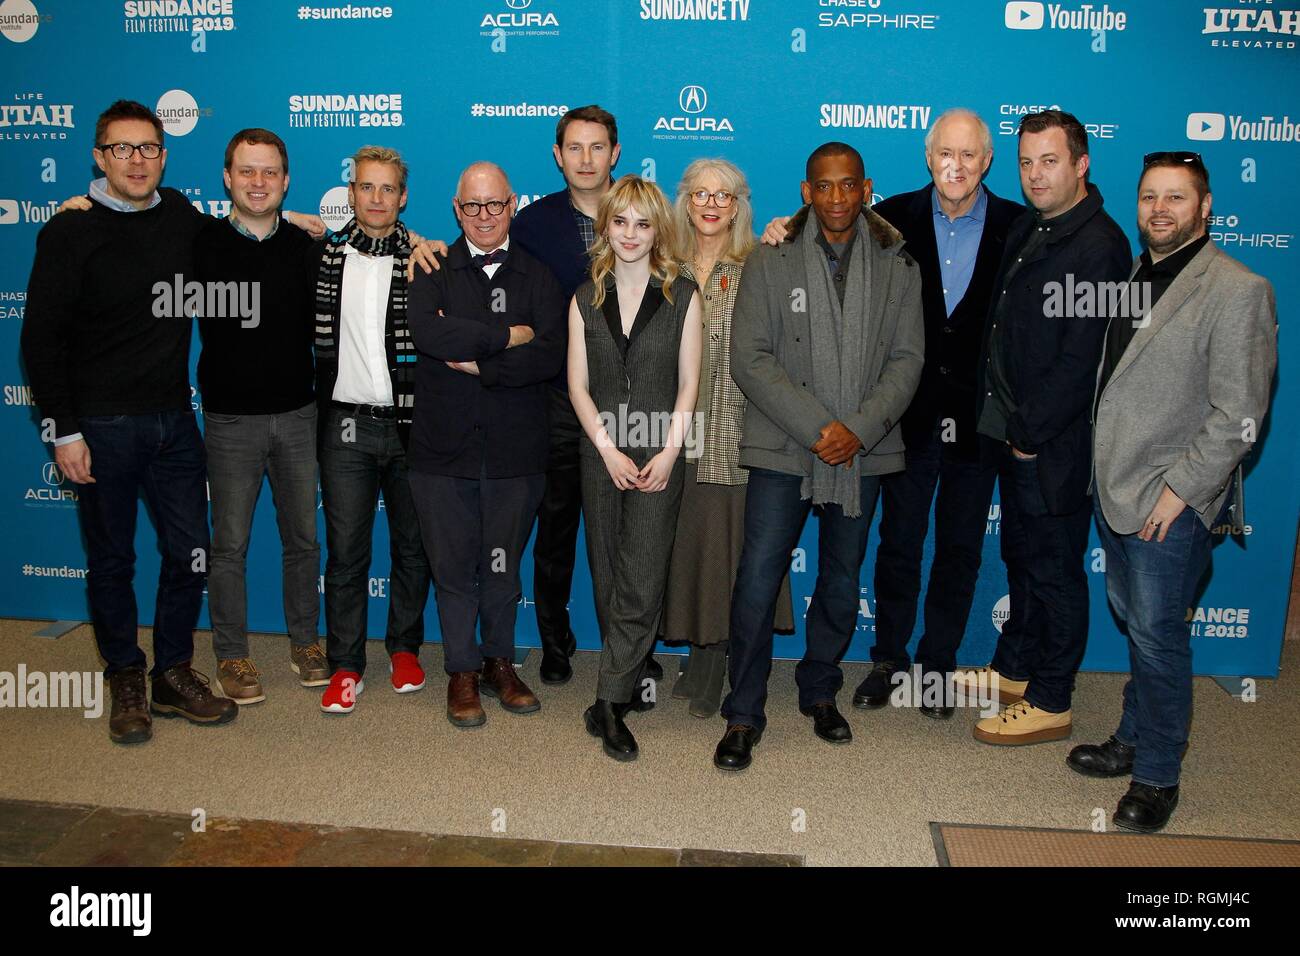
493, 423
950, 378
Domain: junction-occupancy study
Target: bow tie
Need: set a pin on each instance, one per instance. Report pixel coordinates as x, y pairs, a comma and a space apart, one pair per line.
491, 258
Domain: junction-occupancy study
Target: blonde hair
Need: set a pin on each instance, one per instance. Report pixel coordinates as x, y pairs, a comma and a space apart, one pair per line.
381, 154
740, 242
651, 202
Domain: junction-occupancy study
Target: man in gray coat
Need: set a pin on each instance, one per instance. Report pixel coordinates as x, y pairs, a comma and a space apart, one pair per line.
827, 344
1181, 392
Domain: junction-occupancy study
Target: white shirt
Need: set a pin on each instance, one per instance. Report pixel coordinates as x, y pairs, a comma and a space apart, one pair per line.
474, 250
363, 307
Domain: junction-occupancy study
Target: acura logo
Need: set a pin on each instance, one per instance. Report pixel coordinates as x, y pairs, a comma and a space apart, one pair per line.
519, 4
51, 473
693, 99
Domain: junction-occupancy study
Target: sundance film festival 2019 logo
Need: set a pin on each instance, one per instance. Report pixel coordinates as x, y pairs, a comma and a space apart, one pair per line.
178, 16
179, 112
694, 121
19, 20
519, 18
1255, 27
868, 15
319, 110
31, 117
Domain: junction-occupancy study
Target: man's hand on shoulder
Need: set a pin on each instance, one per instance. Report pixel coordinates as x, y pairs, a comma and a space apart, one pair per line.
75, 204
775, 232
426, 253
314, 226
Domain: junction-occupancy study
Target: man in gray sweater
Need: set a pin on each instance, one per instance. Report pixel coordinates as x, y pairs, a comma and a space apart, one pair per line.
827, 344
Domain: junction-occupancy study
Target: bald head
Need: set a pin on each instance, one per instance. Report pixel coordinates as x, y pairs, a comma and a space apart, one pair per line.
483, 186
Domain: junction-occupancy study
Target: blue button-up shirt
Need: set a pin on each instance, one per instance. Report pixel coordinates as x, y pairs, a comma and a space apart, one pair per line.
959, 243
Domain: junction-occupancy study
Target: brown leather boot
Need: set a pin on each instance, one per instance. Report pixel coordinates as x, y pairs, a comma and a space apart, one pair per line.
463, 707
129, 721
182, 692
499, 680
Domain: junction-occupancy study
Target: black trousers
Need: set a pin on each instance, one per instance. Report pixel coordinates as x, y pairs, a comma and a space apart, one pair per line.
555, 549
965, 489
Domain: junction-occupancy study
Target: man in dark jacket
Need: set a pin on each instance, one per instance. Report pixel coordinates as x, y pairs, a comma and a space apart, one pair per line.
956, 230
490, 331
1042, 347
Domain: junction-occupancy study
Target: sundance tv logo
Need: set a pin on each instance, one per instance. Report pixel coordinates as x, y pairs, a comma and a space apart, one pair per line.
1032, 15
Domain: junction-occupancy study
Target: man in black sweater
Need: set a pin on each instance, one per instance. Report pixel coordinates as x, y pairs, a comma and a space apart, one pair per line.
259, 409
490, 332
108, 363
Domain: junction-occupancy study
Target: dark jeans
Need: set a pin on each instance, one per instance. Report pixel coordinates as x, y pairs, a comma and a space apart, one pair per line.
474, 531
1150, 586
774, 519
161, 455
960, 519
1047, 632
241, 449
356, 463
555, 549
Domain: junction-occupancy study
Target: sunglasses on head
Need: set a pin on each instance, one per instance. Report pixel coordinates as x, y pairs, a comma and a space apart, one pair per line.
1177, 156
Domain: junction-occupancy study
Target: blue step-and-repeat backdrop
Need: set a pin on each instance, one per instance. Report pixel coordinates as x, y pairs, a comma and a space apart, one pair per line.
761, 82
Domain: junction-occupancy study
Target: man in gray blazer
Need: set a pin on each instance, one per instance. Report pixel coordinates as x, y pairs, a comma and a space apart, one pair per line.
827, 344
1181, 392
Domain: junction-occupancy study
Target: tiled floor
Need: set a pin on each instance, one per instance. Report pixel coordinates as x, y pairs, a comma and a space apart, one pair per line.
49, 834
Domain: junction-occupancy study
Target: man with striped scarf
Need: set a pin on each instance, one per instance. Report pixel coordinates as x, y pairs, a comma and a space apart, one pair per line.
365, 374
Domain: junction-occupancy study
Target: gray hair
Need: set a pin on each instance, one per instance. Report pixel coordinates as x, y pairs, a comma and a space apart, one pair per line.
985, 136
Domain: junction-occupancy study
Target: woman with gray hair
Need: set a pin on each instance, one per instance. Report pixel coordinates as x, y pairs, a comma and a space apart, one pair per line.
715, 230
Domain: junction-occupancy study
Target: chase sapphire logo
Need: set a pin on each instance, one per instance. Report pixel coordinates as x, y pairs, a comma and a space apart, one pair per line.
693, 99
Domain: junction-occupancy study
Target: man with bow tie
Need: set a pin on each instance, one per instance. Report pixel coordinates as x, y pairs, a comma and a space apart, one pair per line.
489, 329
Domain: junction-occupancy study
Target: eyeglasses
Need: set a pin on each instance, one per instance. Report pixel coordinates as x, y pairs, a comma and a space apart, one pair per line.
721, 198
495, 207
1177, 156
125, 150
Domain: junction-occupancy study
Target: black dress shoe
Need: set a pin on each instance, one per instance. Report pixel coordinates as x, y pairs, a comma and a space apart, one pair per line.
827, 722
653, 669
936, 711
1145, 808
605, 720
875, 690
555, 667
1111, 759
733, 751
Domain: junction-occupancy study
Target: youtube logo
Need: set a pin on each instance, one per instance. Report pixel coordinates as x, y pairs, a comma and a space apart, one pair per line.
1205, 126
1024, 15
8, 212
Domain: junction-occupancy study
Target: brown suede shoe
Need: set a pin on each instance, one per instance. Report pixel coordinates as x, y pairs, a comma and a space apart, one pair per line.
182, 692
238, 679
499, 680
129, 721
463, 707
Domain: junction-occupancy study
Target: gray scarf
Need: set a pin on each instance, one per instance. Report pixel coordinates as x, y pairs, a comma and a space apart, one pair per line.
838, 361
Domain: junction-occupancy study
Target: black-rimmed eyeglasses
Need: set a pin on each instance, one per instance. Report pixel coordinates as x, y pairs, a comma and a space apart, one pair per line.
125, 150
495, 207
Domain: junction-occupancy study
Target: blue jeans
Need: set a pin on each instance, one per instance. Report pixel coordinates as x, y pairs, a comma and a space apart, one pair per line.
161, 455
1150, 586
359, 457
774, 519
241, 449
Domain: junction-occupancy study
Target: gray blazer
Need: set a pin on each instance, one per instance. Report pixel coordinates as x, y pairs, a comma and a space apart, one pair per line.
771, 355
1187, 397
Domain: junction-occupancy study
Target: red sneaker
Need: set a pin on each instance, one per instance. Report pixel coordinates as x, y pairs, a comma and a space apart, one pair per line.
408, 675
341, 695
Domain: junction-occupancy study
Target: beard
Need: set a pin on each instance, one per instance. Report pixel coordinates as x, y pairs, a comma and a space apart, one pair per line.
1176, 239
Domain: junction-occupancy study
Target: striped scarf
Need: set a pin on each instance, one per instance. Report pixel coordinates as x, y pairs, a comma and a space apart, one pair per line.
397, 334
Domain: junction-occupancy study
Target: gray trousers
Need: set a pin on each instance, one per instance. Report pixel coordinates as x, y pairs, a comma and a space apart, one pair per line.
241, 449
629, 543
474, 532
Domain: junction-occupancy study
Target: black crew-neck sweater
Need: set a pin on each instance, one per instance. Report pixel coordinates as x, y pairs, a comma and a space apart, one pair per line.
91, 340
263, 368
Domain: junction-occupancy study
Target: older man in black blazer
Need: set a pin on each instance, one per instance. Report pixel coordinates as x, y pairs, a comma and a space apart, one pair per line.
955, 229
489, 329
1038, 371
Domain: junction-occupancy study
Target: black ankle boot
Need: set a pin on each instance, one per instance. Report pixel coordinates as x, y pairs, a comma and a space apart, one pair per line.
604, 719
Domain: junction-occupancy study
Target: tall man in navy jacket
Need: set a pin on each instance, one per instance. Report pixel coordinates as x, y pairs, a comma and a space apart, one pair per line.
1038, 372
956, 229
490, 332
